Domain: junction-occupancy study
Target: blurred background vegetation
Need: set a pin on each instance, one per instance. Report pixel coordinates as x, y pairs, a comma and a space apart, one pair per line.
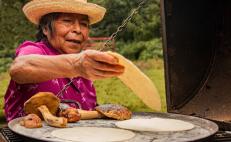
139, 42
140, 39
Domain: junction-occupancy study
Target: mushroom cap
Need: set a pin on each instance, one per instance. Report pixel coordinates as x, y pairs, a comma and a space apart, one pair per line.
42, 98
114, 111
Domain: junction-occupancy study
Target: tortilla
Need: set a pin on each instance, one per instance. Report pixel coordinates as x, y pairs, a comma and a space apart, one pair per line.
155, 124
139, 83
93, 134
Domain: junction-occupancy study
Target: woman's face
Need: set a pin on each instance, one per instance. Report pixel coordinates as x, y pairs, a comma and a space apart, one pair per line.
70, 31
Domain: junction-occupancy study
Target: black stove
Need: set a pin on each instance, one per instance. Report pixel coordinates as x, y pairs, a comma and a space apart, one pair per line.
222, 136
6, 135
197, 55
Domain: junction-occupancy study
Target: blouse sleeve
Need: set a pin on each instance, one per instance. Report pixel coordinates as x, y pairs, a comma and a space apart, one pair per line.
28, 48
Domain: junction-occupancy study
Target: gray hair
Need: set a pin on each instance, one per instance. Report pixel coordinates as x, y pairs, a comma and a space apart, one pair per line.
46, 22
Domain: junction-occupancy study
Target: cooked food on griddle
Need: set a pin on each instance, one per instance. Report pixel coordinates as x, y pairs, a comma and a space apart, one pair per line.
31, 121
71, 114
45, 105
114, 111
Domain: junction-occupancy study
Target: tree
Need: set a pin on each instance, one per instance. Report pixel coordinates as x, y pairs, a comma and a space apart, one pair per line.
145, 25
14, 29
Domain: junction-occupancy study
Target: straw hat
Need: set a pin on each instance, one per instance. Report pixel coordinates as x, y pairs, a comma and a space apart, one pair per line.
35, 9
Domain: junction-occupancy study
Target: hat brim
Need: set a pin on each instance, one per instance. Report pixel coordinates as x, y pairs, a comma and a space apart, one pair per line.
35, 9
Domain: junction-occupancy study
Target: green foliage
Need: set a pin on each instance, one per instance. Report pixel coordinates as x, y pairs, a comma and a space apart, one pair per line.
144, 27
4, 64
14, 29
4, 81
140, 40
142, 50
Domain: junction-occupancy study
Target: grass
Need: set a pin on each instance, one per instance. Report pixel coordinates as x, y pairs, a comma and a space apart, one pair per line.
4, 80
113, 90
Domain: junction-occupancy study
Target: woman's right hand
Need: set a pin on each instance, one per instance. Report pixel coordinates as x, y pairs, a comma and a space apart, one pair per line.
94, 65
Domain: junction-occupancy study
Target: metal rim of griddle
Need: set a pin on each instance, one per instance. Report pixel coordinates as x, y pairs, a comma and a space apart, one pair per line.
202, 125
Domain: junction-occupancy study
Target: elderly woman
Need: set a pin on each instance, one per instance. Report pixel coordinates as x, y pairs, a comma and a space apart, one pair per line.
48, 64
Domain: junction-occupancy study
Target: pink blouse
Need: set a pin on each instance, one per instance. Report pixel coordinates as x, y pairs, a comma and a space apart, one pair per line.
81, 90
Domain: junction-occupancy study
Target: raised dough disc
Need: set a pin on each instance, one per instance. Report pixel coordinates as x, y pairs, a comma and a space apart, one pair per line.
139, 83
155, 124
93, 134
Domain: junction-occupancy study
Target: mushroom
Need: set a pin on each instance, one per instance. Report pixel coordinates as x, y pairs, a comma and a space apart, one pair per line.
87, 114
113, 111
74, 115
70, 113
31, 121
45, 105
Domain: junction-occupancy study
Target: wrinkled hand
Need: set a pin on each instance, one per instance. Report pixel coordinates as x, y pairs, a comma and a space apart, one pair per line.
94, 65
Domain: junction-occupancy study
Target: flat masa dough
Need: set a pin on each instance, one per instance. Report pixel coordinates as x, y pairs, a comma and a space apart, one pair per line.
139, 83
155, 124
93, 134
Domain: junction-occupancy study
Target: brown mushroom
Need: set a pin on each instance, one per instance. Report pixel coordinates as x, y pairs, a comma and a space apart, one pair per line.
71, 114
45, 105
113, 111
87, 114
31, 121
